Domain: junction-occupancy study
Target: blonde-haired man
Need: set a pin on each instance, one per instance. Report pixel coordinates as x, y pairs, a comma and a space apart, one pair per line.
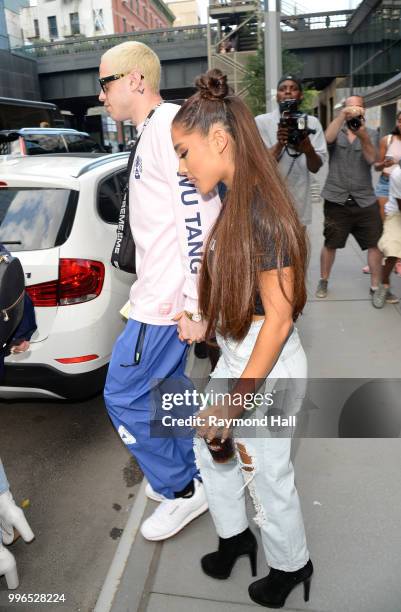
169, 221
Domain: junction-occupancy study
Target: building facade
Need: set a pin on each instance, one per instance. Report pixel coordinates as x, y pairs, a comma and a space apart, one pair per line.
375, 65
51, 20
12, 14
187, 12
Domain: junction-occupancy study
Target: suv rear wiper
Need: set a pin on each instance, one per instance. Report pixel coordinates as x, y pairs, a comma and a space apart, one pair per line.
10, 241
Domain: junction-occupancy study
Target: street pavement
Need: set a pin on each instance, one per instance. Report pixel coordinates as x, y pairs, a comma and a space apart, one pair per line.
87, 500
350, 489
68, 462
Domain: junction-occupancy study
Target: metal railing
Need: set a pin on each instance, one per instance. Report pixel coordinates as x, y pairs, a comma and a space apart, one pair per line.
218, 4
316, 21
98, 44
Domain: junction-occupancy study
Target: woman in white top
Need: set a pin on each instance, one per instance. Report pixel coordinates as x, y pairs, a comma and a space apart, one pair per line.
390, 156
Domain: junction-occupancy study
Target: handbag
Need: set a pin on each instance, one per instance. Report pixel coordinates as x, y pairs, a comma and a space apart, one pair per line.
12, 291
123, 254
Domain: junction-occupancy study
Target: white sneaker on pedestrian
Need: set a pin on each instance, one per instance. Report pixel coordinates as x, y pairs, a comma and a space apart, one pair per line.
152, 494
12, 517
173, 514
8, 567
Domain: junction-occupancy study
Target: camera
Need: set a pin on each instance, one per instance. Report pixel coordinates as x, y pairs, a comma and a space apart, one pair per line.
355, 123
295, 121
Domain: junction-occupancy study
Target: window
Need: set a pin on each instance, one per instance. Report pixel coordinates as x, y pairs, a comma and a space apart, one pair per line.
36, 218
109, 196
37, 144
36, 28
137, 7
124, 24
74, 23
52, 23
145, 14
98, 19
78, 143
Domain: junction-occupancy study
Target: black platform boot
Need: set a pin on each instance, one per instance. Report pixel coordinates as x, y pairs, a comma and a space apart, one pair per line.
273, 590
219, 564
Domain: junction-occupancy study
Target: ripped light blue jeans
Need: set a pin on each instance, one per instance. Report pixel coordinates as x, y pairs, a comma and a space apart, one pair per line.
4, 486
262, 464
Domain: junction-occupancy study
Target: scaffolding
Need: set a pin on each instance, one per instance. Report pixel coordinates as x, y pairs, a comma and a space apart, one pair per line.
234, 34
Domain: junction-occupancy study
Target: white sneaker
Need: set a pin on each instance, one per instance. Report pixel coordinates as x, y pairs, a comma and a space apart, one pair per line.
173, 514
12, 517
152, 494
8, 568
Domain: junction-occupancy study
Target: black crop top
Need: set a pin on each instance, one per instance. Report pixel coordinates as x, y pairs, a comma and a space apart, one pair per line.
268, 261
269, 257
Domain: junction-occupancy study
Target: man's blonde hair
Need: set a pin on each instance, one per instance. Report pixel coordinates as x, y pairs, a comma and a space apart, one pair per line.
133, 55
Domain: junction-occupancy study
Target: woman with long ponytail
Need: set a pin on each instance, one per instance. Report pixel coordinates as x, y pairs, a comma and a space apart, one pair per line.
252, 290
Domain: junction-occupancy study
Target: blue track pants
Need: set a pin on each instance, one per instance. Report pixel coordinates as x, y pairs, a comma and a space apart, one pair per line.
141, 354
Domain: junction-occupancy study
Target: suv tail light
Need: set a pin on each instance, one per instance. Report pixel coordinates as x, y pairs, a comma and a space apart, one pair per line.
80, 280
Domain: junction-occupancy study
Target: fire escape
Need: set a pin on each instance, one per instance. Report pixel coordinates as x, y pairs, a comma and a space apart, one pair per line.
234, 36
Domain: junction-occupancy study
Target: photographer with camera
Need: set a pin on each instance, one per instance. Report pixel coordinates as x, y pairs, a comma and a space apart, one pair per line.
297, 142
350, 205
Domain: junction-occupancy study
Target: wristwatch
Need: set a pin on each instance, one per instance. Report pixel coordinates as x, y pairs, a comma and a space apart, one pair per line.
193, 316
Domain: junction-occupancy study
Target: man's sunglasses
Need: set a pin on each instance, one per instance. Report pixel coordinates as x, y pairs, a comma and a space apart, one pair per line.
112, 77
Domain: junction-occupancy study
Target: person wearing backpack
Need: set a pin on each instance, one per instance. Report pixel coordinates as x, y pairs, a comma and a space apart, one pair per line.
12, 520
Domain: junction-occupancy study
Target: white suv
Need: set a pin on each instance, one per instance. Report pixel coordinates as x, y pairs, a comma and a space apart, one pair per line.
58, 215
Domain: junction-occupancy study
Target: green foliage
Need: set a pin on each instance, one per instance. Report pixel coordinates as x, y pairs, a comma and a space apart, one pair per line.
255, 81
308, 102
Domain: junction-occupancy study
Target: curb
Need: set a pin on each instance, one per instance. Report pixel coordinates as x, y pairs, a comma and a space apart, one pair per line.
119, 562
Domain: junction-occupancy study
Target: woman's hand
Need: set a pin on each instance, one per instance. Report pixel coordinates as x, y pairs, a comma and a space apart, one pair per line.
216, 421
190, 331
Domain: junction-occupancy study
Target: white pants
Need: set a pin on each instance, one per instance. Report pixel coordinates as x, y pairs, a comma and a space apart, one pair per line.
270, 476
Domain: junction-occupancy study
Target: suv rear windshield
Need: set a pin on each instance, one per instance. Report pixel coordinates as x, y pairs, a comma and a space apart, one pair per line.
34, 219
79, 143
37, 144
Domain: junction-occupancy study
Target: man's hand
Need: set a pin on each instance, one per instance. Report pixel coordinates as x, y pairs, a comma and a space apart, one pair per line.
313, 160
189, 331
19, 346
282, 135
368, 149
361, 132
349, 112
304, 146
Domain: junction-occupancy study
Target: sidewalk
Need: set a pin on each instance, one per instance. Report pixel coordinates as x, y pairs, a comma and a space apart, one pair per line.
350, 489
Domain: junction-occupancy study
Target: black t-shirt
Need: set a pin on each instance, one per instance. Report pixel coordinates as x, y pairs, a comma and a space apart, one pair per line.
258, 309
266, 245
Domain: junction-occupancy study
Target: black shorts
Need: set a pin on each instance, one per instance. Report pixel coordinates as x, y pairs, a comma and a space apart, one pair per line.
340, 221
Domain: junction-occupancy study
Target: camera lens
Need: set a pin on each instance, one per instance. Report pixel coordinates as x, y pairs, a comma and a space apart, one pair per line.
354, 123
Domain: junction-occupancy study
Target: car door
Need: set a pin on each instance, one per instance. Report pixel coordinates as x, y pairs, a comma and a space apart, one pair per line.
34, 223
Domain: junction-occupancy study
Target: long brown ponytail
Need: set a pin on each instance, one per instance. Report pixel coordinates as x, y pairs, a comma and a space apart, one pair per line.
256, 209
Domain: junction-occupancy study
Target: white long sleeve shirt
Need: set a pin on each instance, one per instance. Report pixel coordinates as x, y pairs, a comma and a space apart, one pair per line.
170, 221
